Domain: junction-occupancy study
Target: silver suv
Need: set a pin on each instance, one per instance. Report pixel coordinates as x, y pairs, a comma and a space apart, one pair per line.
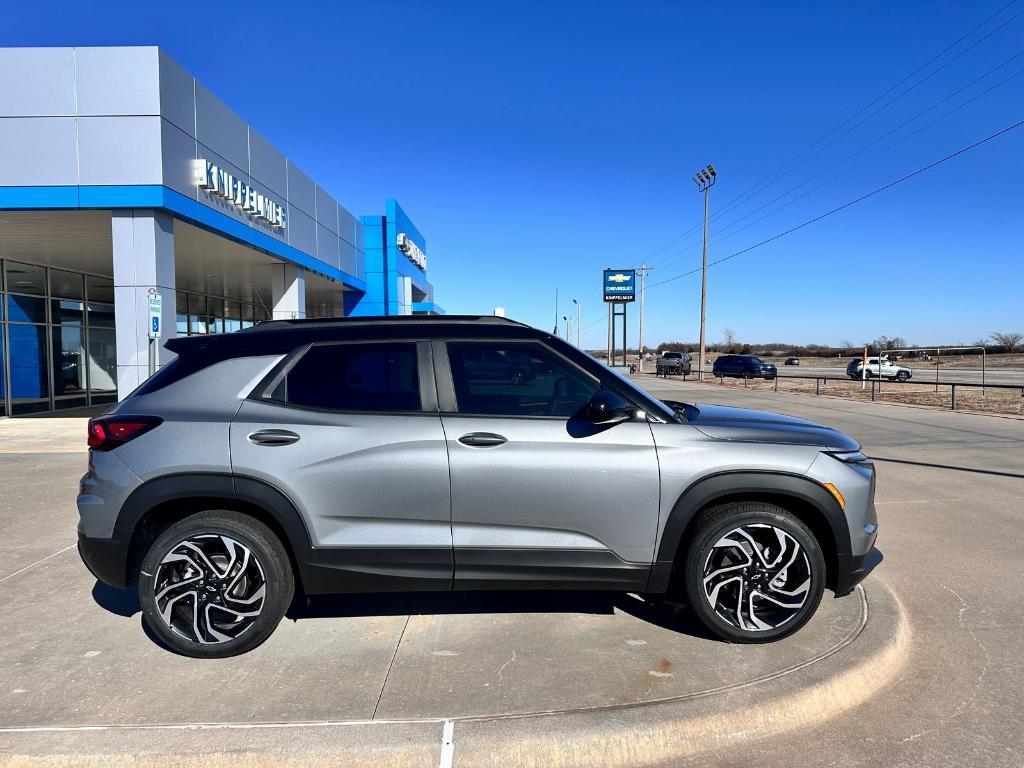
359, 455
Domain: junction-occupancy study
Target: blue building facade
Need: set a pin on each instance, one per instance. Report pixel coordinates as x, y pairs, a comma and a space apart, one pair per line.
396, 267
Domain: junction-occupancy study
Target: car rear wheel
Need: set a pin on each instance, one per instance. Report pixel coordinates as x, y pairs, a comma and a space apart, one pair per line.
753, 572
215, 584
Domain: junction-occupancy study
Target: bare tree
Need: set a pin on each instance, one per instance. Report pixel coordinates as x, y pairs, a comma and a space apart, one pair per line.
1008, 341
888, 342
729, 340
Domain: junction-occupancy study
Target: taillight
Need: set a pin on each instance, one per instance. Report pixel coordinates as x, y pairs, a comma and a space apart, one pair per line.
108, 432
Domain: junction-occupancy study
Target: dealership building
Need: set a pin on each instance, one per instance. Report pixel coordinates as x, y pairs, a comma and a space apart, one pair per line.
128, 190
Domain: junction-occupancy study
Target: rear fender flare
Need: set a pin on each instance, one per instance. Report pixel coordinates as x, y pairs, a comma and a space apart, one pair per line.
231, 490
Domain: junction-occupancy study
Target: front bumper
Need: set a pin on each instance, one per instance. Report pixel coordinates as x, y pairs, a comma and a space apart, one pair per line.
851, 570
106, 559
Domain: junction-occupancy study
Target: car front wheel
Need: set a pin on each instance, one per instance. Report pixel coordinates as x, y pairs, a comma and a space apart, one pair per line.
902, 376
215, 584
753, 572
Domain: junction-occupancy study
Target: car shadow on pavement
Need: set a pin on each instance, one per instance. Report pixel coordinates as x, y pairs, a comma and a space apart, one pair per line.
122, 602
663, 613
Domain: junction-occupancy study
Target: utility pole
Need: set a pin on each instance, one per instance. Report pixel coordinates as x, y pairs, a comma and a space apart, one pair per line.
556, 313
579, 311
705, 180
643, 269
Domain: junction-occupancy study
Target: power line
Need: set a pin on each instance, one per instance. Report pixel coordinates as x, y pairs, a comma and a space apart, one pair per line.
846, 205
775, 175
757, 188
731, 225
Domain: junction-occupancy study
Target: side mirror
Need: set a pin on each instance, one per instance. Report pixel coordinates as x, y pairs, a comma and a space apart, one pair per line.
608, 408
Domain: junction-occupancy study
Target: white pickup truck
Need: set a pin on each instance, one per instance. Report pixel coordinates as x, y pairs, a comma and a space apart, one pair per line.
878, 368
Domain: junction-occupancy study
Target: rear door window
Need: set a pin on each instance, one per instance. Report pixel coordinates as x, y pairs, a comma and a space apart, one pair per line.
372, 377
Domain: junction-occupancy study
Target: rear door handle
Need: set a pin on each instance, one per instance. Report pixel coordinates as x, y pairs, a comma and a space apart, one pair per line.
482, 439
273, 437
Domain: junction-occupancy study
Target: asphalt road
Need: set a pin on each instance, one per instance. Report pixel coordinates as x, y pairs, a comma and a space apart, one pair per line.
950, 375
951, 511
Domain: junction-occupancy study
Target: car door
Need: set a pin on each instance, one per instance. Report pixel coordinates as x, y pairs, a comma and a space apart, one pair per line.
540, 496
350, 433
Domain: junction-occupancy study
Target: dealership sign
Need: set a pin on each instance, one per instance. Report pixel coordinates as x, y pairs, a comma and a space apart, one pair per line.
619, 285
224, 184
412, 251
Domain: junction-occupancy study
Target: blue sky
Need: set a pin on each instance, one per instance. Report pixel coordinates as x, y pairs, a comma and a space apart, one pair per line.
535, 143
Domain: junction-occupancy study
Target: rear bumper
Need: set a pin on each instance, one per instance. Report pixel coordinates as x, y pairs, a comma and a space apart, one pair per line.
106, 558
851, 570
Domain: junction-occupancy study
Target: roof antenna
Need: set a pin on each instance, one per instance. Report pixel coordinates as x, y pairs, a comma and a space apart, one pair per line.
257, 292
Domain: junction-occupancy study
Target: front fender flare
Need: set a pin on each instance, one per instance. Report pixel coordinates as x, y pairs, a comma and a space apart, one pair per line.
725, 486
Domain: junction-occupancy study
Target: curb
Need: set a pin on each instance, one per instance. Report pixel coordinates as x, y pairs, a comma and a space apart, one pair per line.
658, 734
643, 734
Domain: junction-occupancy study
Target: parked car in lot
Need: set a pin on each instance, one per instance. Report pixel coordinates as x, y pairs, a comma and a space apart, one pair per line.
368, 455
792, 361
743, 366
878, 368
673, 364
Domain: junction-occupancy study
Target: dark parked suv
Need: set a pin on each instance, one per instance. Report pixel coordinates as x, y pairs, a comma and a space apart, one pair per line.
744, 366
366, 455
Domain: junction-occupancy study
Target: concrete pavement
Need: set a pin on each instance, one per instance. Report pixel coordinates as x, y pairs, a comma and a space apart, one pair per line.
371, 681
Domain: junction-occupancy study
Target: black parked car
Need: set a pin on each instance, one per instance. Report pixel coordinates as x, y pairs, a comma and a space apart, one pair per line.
744, 367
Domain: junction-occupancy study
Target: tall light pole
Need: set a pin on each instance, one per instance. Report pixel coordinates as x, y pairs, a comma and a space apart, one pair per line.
567, 336
578, 313
643, 269
705, 180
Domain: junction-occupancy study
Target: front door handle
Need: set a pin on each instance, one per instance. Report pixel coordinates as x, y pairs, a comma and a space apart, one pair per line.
482, 439
273, 437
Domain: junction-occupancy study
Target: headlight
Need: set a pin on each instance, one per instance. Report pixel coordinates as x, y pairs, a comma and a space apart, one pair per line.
849, 457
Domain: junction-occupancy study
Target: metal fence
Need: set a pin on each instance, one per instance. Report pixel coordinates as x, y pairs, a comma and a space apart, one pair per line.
876, 385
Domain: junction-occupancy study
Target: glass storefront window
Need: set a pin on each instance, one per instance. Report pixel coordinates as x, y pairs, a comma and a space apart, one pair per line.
181, 312
26, 309
232, 316
67, 312
30, 387
197, 314
69, 367
3, 377
102, 365
66, 285
25, 278
100, 289
101, 315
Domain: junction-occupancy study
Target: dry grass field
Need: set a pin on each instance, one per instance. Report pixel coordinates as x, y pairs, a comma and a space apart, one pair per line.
968, 398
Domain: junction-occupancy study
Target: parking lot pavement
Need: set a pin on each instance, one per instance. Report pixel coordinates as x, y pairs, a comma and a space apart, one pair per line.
370, 680
950, 503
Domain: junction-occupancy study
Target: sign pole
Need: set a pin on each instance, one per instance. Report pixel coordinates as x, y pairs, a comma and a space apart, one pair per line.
155, 314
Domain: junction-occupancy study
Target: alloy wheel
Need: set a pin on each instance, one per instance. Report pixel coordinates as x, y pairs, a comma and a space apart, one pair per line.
757, 577
209, 588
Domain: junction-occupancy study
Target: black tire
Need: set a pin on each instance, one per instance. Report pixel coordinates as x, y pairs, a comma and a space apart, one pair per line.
902, 376
757, 517
213, 583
